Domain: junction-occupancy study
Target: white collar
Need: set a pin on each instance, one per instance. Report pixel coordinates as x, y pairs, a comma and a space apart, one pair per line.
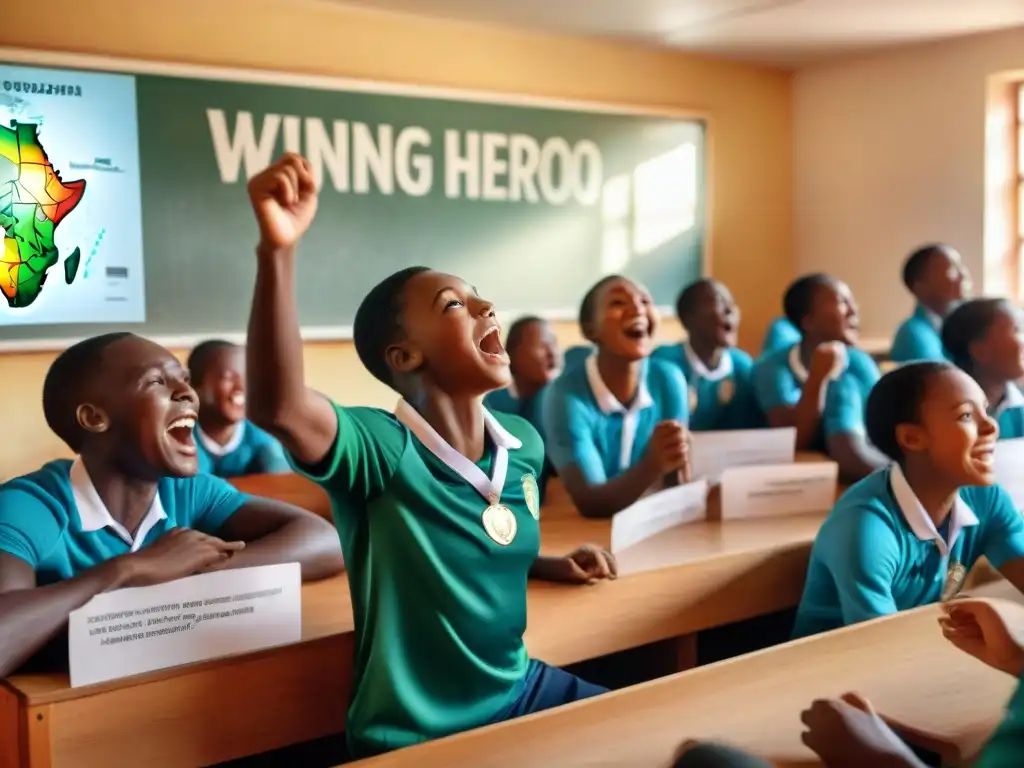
920, 522
1013, 398
796, 365
212, 446
606, 401
512, 391
95, 516
722, 370
488, 487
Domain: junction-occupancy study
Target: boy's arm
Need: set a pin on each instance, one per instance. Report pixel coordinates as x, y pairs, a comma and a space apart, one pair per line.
275, 532
805, 415
844, 430
284, 198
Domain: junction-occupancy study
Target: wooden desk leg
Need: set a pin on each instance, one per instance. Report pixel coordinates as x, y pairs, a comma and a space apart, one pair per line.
11, 746
38, 737
686, 652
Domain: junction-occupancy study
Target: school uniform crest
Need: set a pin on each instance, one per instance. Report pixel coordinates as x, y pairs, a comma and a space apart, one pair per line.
500, 524
693, 398
726, 390
532, 495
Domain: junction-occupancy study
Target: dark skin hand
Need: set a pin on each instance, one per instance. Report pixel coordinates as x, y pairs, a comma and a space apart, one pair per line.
587, 565
855, 456
806, 414
666, 461
260, 533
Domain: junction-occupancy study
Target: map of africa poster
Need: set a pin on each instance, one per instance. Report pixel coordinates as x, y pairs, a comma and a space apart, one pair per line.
70, 198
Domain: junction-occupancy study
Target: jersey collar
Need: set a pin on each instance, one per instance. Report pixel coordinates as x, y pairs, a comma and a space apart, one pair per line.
606, 401
920, 522
212, 446
722, 371
94, 515
504, 441
1013, 398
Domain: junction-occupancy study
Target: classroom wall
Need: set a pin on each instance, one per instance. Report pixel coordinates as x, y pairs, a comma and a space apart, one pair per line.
889, 153
750, 109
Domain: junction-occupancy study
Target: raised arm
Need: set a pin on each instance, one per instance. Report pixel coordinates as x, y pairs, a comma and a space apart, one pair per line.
284, 198
805, 415
845, 435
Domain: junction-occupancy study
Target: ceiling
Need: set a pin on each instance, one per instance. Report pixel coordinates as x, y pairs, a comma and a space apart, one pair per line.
782, 32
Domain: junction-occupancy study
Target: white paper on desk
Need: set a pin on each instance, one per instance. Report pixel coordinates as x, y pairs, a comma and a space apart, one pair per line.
1009, 469
779, 490
140, 629
659, 512
711, 453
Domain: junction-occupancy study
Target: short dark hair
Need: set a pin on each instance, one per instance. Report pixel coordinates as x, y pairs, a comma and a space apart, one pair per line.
796, 302
587, 307
686, 302
896, 399
917, 262
199, 358
515, 331
378, 322
966, 324
68, 375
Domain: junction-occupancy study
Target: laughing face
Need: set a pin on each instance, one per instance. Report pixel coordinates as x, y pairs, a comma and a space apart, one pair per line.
715, 319
537, 358
144, 406
222, 387
833, 314
954, 430
624, 320
451, 336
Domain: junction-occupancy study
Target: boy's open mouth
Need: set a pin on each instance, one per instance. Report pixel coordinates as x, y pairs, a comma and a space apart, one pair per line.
181, 432
985, 455
637, 330
491, 344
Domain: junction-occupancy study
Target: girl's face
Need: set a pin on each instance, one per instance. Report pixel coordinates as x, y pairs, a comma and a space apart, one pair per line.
1001, 350
537, 358
715, 317
625, 320
834, 315
954, 431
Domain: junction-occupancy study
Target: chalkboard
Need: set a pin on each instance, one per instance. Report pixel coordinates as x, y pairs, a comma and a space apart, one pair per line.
530, 201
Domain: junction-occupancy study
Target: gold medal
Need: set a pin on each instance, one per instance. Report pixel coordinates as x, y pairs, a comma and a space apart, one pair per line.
532, 495
500, 524
725, 391
955, 575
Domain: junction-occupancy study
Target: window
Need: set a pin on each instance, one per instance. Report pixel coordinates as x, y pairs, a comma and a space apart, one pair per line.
1018, 208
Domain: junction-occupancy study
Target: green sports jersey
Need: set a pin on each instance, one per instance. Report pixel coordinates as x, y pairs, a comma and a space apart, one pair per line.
438, 585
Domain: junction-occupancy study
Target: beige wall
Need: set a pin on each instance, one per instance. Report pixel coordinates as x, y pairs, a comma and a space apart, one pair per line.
751, 171
889, 153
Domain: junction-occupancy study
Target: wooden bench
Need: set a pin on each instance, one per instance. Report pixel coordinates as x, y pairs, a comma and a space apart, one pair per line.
901, 663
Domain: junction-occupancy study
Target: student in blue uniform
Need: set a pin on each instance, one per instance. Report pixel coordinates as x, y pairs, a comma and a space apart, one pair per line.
820, 385
781, 334
721, 389
577, 355
907, 535
436, 505
616, 425
936, 276
130, 509
534, 360
229, 446
985, 337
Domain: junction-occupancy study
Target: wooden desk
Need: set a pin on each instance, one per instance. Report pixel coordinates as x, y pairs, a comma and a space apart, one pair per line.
901, 663
206, 713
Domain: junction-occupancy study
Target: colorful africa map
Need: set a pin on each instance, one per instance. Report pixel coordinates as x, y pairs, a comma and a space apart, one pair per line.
33, 202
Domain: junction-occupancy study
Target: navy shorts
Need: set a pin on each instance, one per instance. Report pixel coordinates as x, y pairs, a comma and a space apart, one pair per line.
546, 687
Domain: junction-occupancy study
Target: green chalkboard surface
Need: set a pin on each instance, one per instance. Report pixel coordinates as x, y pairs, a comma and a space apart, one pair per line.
529, 201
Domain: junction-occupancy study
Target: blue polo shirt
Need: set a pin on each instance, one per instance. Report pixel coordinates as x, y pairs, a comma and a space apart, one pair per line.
585, 425
250, 451
508, 401
1009, 412
574, 356
879, 552
55, 520
719, 399
780, 335
779, 379
919, 337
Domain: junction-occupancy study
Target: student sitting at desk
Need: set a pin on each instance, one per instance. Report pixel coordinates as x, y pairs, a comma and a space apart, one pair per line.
616, 425
721, 390
937, 277
130, 510
436, 505
820, 384
907, 535
985, 338
229, 446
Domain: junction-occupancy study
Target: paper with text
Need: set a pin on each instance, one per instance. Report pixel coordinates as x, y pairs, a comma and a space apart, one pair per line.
1010, 469
659, 512
711, 453
141, 629
778, 490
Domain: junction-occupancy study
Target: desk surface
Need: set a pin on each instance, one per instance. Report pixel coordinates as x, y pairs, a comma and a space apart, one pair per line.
901, 663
